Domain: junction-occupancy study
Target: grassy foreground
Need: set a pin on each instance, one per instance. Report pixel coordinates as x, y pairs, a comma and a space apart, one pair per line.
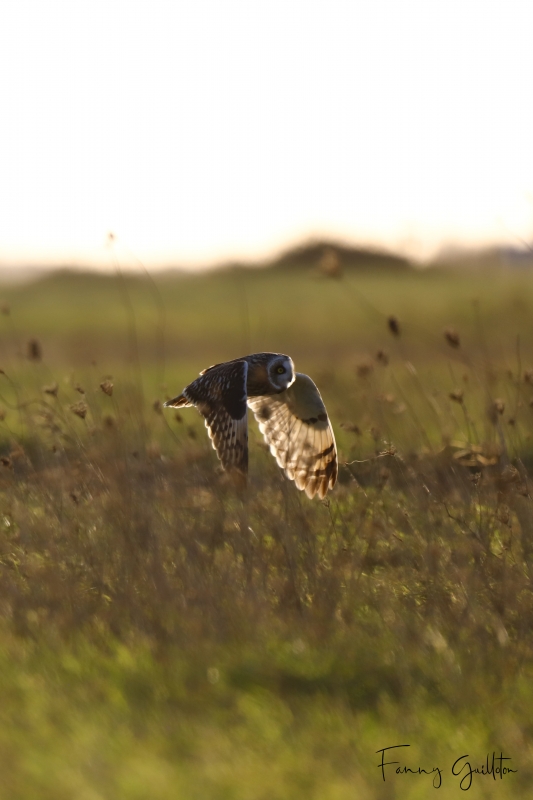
162, 637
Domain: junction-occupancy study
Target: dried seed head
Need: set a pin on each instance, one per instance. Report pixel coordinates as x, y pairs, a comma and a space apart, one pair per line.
510, 474
452, 337
157, 406
52, 389
499, 405
457, 395
494, 410
394, 325
364, 369
107, 388
351, 428
178, 417
79, 389
109, 421
382, 357
528, 376
503, 514
35, 352
80, 409
6, 461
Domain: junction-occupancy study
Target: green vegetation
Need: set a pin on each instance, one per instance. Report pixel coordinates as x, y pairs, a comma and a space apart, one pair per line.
162, 637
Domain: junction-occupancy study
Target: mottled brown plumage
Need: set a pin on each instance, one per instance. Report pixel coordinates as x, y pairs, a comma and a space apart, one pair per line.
287, 406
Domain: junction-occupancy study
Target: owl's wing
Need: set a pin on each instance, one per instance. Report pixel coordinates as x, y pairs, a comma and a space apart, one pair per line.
219, 394
296, 426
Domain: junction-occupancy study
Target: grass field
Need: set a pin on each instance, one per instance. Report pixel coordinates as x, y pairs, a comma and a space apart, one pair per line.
162, 637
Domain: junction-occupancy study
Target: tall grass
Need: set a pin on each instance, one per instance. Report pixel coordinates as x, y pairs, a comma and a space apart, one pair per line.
162, 636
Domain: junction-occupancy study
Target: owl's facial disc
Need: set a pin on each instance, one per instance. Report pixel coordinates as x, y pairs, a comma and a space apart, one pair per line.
281, 373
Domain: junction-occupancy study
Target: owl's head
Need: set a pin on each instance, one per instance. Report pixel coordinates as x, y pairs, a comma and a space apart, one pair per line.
281, 372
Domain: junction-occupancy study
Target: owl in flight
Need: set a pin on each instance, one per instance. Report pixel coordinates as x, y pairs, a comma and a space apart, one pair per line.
287, 405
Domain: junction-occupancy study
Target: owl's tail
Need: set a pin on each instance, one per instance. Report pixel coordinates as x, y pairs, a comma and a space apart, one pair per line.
178, 402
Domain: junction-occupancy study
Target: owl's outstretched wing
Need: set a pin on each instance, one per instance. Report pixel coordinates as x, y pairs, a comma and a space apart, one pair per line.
296, 426
219, 394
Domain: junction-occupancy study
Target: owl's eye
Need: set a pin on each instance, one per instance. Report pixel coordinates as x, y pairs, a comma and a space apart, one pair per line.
280, 370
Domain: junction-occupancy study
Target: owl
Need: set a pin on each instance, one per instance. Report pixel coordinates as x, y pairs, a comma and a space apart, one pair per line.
287, 406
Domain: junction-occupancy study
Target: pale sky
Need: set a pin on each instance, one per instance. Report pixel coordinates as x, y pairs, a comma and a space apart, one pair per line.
211, 129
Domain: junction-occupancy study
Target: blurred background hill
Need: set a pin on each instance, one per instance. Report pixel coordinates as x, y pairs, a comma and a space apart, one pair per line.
329, 257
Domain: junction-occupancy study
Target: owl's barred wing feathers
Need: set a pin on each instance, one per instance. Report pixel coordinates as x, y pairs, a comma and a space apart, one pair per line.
219, 394
296, 426
293, 420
